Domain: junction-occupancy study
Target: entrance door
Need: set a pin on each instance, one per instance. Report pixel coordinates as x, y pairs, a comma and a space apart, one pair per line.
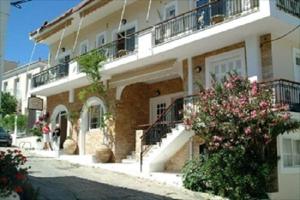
63, 129
158, 105
297, 64
62, 120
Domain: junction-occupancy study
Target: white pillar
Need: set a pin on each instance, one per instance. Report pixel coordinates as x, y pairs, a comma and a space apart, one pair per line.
190, 76
71, 96
253, 58
4, 13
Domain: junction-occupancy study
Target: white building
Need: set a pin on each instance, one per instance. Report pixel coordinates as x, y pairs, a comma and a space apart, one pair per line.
154, 60
17, 82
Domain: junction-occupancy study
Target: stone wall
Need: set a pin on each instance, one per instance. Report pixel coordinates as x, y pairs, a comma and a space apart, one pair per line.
133, 110
178, 160
266, 57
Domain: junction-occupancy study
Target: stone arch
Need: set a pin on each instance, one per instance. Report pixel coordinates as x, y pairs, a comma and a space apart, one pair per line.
84, 120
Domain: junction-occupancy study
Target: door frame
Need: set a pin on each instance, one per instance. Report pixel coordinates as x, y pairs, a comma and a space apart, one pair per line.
169, 102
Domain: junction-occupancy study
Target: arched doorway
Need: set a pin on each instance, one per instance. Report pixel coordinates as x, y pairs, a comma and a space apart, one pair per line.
90, 121
60, 116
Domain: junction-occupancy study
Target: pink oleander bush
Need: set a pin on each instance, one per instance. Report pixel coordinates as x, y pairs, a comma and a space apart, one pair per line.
239, 121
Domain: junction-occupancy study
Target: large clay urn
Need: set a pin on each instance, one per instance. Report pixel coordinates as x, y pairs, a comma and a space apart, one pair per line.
69, 146
103, 154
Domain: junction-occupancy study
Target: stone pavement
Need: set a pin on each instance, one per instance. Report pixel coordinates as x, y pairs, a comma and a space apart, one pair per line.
61, 180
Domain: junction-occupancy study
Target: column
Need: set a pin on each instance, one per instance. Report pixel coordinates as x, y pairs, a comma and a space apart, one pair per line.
253, 58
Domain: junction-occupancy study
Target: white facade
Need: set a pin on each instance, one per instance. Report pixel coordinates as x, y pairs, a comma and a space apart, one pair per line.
18, 82
246, 27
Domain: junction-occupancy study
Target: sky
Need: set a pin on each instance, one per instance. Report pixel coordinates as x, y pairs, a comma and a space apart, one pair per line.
21, 22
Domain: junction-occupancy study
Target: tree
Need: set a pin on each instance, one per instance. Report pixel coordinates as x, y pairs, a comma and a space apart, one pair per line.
238, 121
8, 104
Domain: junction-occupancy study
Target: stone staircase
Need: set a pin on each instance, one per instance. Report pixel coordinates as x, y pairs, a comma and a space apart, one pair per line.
158, 154
154, 160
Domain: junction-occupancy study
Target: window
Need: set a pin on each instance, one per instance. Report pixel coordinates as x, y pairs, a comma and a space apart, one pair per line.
220, 65
5, 84
84, 47
17, 91
126, 41
170, 10
95, 113
291, 152
296, 62
100, 40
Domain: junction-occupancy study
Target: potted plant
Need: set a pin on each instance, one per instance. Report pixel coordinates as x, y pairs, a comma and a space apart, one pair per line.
69, 146
103, 153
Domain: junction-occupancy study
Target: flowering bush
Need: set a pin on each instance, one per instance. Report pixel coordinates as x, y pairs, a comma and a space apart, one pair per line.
12, 173
238, 120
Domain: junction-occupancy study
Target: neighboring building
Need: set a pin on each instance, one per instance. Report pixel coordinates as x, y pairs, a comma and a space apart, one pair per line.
9, 65
17, 81
152, 62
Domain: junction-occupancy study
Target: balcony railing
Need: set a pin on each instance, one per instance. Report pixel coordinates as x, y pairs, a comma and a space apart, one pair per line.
285, 92
290, 6
202, 17
123, 46
52, 74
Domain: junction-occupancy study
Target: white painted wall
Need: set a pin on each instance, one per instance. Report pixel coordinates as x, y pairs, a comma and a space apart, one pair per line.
288, 178
25, 85
282, 58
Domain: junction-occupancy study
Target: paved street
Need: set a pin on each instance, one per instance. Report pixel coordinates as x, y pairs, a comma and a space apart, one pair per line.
62, 180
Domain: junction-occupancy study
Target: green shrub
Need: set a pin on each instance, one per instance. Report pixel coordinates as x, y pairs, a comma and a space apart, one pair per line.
236, 174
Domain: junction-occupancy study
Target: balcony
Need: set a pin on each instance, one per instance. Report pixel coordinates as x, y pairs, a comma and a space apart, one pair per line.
49, 75
289, 6
202, 17
285, 92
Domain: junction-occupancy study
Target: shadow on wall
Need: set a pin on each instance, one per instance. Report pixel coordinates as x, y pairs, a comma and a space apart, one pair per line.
74, 188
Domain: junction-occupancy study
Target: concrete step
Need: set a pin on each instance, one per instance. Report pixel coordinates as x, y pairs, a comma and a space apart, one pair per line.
129, 161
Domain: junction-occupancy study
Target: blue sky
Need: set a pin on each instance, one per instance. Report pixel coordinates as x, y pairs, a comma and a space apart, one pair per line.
18, 47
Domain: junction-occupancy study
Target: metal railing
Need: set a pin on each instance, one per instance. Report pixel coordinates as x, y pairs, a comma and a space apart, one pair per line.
285, 92
51, 74
163, 125
289, 6
123, 46
202, 17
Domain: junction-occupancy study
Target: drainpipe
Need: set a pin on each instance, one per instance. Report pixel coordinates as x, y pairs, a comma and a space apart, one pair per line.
190, 92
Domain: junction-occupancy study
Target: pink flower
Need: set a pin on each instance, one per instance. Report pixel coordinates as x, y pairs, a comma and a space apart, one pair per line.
248, 130
228, 85
217, 138
254, 89
253, 114
263, 104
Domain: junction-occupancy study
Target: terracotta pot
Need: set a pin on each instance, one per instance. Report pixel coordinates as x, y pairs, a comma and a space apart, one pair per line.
69, 146
103, 154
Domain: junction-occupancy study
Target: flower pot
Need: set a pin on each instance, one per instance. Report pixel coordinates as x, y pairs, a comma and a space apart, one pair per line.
13, 196
69, 146
103, 154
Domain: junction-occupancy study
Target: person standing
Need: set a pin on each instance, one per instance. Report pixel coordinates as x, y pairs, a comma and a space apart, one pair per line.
56, 136
46, 136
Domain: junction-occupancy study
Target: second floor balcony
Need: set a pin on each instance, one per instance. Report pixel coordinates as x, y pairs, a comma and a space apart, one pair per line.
51, 74
178, 36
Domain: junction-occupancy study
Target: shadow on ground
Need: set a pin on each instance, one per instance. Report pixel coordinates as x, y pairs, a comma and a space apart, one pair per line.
74, 188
